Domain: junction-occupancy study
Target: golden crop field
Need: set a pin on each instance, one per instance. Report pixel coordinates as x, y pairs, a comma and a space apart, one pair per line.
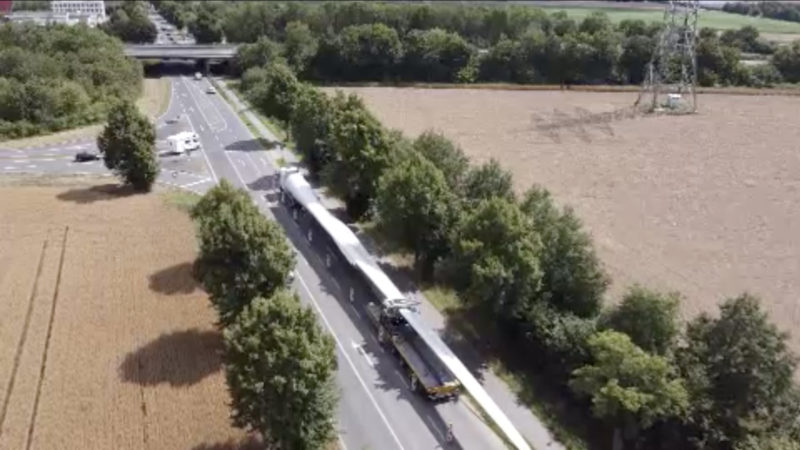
107, 342
707, 204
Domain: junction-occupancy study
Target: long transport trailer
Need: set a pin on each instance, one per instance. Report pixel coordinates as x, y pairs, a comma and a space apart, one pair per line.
426, 373
433, 367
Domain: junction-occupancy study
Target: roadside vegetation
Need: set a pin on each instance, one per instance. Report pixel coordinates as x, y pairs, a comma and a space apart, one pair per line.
378, 42
279, 363
531, 288
59, 77
129, 22
127, 144
787, 11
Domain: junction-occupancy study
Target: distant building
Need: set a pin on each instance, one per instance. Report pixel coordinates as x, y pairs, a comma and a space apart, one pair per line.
68, 12
5, 7
84, 7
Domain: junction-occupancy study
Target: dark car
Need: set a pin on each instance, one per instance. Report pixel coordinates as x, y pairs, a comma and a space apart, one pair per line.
86, 156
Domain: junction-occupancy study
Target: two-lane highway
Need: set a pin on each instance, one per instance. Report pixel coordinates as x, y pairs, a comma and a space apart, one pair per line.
377, 409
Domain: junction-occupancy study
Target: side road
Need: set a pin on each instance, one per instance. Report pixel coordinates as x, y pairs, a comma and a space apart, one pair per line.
523, 419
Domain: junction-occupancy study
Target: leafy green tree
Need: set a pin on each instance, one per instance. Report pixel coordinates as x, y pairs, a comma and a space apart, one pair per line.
445, 155
573, 278
128, 145
739, 373
637, 51
556, 338
629, 388
300, 44
717, 63
361, 151
650, 319
768, 443
258, 54
488, 180
276, 96
435, 55
242, 254
787, 61
206, 27
596, 22
369, 52
280, 367
310, 124
415, 206
497, 254
130, 23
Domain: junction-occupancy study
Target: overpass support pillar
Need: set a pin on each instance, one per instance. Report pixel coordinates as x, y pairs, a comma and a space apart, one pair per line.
206, 64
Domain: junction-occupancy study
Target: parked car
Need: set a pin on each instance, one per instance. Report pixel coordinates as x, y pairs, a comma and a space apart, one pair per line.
86, 156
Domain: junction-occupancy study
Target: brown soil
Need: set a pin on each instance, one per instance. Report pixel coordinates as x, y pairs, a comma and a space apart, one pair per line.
120, 349
707, 204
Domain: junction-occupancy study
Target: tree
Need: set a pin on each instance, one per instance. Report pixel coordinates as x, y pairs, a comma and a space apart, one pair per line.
435, 55
361, 151
300, 45
415, 206
648, 317
787, 61
242, 254
739, 373
488, 180
497, 255
628, 387
130, 23
573, 278
310, 124
446, 156
637, 51
206, 27
128, 145
277, 95
369, 52
280, 367
258, 54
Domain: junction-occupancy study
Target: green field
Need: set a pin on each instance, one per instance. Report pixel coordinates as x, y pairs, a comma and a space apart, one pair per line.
711, 19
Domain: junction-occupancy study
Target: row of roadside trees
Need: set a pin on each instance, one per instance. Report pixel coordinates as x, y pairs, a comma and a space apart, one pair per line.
371, 41
639, 375
279, 363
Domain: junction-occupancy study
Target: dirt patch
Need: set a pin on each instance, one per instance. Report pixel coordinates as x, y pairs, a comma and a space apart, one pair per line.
707, 204
106, 340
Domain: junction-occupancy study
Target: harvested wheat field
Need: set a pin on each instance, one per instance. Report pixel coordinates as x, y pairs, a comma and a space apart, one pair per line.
708, 204
107, 343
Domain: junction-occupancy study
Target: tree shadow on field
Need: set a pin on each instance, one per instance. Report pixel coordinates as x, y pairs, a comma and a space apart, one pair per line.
248, 443
177, 279
252, 145
97, 193
180, 358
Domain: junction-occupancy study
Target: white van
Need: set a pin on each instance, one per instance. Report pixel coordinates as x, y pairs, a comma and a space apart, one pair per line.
184, 142
198, 76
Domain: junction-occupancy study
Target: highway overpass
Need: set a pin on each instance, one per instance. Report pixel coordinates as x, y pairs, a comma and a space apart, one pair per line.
174, 51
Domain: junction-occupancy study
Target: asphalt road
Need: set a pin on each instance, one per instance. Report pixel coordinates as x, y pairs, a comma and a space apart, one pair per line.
377, 410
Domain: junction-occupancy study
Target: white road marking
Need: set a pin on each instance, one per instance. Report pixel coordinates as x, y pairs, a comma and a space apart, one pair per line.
360, 349
202, 150
202, 113
47, 159
355, 311
350, 362
196, 182
201, 127
341, 442
331, 330
402, 378
32, 166
9, 168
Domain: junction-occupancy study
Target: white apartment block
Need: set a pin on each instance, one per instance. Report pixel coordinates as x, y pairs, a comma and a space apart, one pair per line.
86, 8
